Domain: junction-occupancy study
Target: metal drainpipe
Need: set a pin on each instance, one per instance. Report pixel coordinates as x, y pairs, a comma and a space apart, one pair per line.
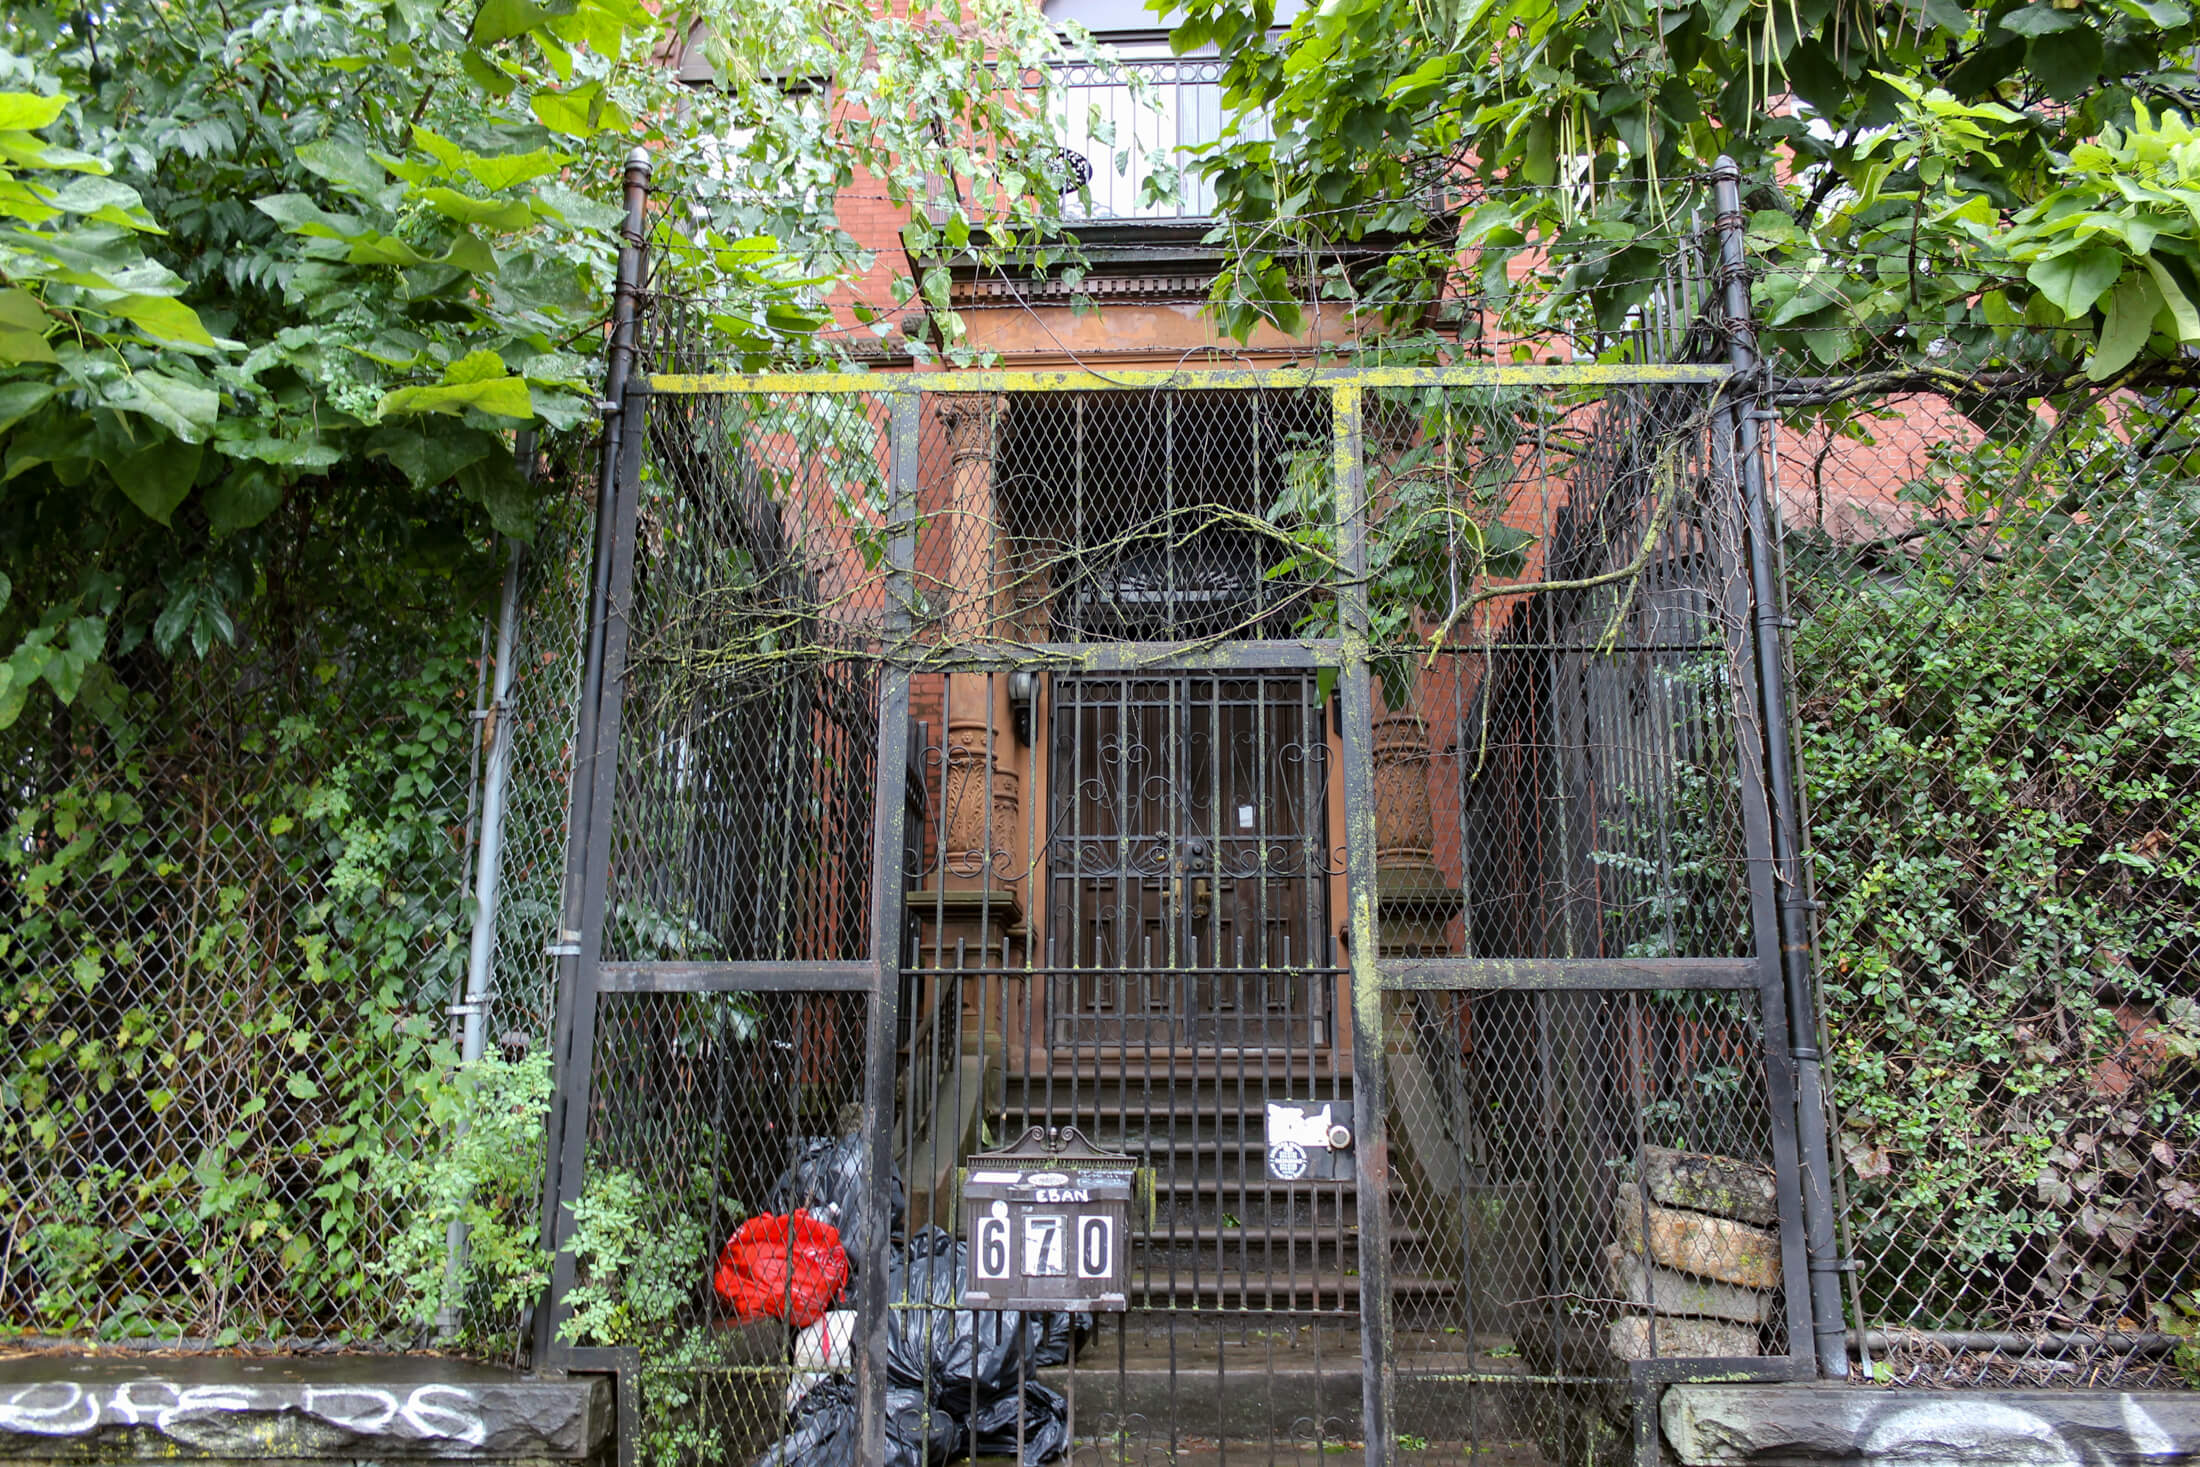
472, 1009
2016, 1342
1827, 1325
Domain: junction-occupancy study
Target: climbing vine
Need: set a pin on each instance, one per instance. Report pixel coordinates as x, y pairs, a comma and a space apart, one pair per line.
2001, 733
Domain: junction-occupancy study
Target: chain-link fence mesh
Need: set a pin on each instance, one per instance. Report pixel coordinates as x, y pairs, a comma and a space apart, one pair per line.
1999, 720
236, 915
1593, 1170
714, 1117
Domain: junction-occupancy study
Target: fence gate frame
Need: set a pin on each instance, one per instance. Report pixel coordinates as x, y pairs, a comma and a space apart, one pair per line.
1753, 655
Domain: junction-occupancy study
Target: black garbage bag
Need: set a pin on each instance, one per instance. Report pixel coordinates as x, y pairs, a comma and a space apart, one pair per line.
1043, 1417
825, 1428
1055, 1337
976, 1364
826, 1181
961, 1356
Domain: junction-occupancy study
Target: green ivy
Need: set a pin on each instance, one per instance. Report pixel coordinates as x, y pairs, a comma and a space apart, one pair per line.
478, 1167
230, 918
2001, 737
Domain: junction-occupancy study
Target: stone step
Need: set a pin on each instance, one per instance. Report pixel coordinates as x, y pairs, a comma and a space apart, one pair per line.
1270, 1234
1282, 1288
1088, 1098
1275, 1250
1299, 1388
1088, 1059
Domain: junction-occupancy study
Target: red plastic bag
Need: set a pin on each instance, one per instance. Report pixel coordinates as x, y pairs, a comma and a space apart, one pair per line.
789, 1267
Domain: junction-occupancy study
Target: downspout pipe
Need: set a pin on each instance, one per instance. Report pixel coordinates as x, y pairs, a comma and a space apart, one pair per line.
1829, 1331
472, 1008
495, 796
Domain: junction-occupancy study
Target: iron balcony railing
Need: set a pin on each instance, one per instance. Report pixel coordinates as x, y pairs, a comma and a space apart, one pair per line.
1136, 120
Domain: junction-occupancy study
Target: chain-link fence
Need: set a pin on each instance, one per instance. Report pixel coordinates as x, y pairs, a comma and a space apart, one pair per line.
236, 919
1999, 721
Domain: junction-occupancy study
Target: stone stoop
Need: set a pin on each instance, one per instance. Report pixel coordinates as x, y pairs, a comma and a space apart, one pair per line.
297, 1409
1823, 1423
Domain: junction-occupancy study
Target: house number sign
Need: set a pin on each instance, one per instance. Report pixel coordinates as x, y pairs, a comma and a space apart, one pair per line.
1047, 1224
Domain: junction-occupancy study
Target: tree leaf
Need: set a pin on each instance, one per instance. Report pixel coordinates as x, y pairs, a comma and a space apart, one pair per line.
22, 311
499, 20
2066, 64
162, 317
479, 365
18, 347
486, 74
241, 499
297, 453
28, 111
428, 455
87, 637
504, 491
345, 164
2040, 18
2164, 13
575, 113
2173, 296
1539, 161
505, 170
2074, 281
2131, 313
183, 408
504, 214
158, 479
18, 400
23, 327
504, 397
301, 215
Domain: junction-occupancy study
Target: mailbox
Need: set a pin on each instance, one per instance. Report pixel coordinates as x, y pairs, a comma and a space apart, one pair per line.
1047, 1220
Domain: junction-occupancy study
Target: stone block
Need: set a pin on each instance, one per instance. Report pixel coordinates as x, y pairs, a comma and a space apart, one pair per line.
1724, 1186
1810, 1424
1681, 1338
1698, 1243
1665, 1291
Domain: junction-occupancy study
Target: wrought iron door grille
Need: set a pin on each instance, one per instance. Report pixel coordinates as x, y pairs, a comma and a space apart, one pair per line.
1187, 860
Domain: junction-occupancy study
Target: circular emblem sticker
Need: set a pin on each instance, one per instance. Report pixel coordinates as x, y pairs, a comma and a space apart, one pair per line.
1287, 1161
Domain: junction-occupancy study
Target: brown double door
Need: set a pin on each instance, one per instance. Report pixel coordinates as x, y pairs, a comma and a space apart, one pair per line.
1188, 861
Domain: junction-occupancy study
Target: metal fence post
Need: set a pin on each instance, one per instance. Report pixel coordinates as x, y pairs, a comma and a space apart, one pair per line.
1371, 1149
573, 1024
1812, 1142
888, 902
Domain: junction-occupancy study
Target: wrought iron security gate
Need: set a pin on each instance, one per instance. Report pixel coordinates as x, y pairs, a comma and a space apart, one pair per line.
979, 751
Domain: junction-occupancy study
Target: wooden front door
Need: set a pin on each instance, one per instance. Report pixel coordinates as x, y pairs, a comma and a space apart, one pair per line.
1188, 860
